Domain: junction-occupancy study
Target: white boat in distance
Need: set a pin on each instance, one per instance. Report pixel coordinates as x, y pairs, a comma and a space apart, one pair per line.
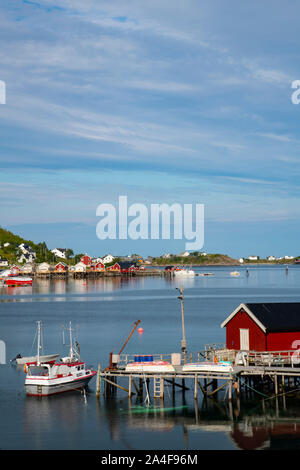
30, 360
184, 272
234, 273
221, 366
68, 374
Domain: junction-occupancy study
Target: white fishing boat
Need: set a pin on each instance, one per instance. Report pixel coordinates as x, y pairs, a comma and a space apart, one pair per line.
70, 373
220, 366
30, 360
184, 272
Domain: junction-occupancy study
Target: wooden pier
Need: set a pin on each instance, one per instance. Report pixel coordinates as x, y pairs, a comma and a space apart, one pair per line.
257, 377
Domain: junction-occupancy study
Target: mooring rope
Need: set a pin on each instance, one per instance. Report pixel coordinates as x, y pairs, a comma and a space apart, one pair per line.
260, 393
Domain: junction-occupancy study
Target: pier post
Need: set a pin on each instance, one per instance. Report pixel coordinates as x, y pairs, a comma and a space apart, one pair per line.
230, 390
141, 387
196, 387
98, 384
130, 387
162, 388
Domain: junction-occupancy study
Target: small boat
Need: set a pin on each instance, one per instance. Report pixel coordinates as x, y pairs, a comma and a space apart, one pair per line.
221, 366
184, 272
70, 373
18, 281
149, 366
31, 360
5, 274
234, 273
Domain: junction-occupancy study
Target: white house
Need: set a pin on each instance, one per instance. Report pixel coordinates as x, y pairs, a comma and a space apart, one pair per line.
3, 262
289, 257
59, 252
6, 244
79, 267
185, 253
253, 258
241, 260
43, 268
166, 256
28, 255
27, 258
28, 268
108, 259
271, 258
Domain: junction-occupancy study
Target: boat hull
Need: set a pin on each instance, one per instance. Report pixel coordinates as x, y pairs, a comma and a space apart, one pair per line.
40, 389
208, 367
14, 281
149, 367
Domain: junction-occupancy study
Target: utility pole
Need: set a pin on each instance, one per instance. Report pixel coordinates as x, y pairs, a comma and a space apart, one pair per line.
183, 341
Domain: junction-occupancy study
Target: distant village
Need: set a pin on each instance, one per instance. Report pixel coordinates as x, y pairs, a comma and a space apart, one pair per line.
64, 261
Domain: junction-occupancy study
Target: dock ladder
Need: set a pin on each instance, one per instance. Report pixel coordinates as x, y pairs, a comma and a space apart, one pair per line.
158, 387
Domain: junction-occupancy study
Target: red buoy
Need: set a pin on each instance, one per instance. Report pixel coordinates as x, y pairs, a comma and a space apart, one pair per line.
140, 330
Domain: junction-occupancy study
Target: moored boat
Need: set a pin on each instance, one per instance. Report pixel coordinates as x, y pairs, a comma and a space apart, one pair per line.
184, 272
18, 281
234, 273
33, 359
147, 364
221, 366
70, 373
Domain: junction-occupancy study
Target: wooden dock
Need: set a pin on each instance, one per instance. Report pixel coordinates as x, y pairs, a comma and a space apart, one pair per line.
250, 379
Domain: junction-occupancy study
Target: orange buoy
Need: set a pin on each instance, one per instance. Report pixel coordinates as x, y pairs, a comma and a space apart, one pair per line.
140, 330
216, 359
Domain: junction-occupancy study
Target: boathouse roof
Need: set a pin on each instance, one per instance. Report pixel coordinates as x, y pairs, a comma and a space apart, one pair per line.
271, 317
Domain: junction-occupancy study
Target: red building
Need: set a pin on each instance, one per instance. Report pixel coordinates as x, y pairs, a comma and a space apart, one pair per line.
61, 267
263, 327
87, 260
98, 267
114, 267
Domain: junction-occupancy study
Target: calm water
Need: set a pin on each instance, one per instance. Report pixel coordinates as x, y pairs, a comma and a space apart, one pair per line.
102, 313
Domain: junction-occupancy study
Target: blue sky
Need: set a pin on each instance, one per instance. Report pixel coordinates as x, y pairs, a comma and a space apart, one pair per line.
161, 101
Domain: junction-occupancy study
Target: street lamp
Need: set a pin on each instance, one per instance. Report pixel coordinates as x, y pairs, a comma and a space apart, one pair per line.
183, 341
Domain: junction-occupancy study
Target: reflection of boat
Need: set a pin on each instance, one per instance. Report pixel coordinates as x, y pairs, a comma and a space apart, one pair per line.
234, 273
184, 272
29, 360
205, 274
221, 366
69, 374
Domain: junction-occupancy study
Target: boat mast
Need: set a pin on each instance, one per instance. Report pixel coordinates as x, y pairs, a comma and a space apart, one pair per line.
38, 343
71, 342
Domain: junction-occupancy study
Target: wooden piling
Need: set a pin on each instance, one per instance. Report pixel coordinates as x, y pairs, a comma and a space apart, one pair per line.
98, 384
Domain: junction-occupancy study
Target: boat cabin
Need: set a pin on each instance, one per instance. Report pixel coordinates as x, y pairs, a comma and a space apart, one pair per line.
263, 327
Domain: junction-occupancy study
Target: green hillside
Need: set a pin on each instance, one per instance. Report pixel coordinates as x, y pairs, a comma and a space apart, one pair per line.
12, 253
196, 259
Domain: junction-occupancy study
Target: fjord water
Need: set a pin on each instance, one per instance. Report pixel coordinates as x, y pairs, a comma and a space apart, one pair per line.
102, 313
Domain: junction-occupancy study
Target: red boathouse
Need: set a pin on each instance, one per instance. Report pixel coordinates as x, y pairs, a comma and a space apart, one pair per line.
263, 327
